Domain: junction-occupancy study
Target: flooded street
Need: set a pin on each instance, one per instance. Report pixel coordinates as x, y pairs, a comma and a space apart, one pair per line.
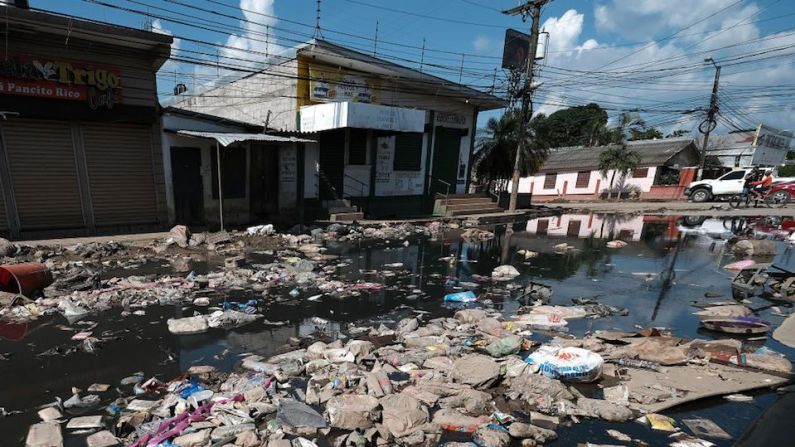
668, 265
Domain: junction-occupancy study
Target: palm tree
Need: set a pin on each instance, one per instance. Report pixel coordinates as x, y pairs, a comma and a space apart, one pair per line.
619, 158
497, 148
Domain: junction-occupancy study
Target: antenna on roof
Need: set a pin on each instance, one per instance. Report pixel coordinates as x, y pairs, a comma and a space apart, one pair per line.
375, 41
318, 32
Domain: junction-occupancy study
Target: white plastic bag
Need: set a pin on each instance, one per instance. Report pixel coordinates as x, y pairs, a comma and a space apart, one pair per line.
567, 364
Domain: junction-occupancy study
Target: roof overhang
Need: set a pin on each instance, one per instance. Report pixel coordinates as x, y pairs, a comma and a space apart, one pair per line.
226, 138
47, 22
336, 55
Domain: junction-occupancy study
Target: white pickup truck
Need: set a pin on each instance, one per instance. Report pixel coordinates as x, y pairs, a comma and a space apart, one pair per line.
724, 186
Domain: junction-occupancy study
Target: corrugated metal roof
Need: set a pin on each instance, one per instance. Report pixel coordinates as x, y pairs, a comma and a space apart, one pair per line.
580, 158
225, 139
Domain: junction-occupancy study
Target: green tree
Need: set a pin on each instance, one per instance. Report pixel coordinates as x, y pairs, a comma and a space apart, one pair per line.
619, 158
645, 134
678, 133
576, 126
497, 148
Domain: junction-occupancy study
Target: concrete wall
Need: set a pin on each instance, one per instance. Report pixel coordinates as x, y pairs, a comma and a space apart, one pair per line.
566, 183
236, 211
261, 99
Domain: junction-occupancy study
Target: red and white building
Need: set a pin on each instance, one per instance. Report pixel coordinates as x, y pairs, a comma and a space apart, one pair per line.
572, 173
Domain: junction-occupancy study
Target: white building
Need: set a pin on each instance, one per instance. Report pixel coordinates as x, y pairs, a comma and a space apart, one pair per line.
388, 137
572, 173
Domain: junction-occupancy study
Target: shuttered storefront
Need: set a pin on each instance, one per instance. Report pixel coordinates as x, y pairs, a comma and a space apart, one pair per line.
120, 172
3, 218
42, 162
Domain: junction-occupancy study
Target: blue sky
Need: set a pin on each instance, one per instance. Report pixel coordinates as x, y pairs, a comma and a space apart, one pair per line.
642, 55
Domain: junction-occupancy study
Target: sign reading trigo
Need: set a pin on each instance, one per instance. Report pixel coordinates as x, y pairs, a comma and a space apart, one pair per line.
99, 86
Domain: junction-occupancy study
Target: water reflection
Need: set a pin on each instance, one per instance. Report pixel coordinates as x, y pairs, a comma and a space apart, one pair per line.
669, 263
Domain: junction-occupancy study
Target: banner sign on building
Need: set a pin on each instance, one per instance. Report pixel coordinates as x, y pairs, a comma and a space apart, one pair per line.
100, 87
339, 115
328, 84
772, 137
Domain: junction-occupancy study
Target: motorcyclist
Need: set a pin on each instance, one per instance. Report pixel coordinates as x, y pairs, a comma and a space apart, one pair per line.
760, 187
754, 175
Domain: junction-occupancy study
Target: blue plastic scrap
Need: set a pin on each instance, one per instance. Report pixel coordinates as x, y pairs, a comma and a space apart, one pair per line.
461, 297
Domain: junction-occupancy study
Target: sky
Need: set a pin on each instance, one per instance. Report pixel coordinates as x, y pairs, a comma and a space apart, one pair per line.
643, 56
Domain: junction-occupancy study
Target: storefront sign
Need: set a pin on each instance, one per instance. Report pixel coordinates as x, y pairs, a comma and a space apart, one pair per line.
339, 115
450, 118
383, 165
328, 84
98, 86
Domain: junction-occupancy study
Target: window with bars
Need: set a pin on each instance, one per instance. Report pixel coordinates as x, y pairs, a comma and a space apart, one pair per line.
583, 178
550, 179
640, 172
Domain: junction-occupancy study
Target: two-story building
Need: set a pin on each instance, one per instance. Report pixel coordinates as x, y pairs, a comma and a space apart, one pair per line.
387, 137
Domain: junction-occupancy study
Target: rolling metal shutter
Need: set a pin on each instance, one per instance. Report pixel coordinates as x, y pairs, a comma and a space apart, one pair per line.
42, 162
3, 218
119, 159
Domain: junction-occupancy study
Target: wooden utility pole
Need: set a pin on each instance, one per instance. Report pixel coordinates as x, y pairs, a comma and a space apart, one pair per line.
533, 8
709, 124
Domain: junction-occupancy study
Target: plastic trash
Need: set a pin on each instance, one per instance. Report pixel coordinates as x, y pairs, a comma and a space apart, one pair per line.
461, 297
353, 411
504, 273
190, 389
616, 244
567, 364
297, 414
188, 326
740, 265
505, 346
260, 230
660, 422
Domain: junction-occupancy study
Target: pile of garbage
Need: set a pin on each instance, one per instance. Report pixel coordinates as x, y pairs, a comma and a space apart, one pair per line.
474, 373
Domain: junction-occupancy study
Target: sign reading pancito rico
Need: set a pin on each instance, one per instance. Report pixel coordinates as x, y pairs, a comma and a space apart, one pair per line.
98, 86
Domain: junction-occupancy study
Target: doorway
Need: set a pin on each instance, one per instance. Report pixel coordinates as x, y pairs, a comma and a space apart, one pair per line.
186, 164
445, 160
331, 161
264, 188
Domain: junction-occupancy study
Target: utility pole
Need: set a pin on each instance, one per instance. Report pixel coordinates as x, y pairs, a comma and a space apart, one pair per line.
708, 125
533, 8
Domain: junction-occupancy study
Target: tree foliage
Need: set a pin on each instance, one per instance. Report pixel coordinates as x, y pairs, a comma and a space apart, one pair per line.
575, 126
497, 148
619, 158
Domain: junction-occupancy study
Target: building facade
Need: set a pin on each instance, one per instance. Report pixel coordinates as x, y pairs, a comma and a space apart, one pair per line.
667, 166
80, 146
383, 131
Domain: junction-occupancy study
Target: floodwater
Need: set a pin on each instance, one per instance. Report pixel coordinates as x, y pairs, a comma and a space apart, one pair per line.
685, 253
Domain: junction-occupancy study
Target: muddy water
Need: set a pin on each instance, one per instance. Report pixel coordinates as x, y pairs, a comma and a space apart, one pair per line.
688, 253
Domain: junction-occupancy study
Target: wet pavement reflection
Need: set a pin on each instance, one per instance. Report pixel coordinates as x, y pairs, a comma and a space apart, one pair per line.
668, 265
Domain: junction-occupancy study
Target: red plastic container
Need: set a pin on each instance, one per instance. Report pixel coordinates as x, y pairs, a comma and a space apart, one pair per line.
28, 279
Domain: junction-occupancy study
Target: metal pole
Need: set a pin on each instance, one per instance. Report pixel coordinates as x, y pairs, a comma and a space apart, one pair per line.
710, 121
526, 92
220, 188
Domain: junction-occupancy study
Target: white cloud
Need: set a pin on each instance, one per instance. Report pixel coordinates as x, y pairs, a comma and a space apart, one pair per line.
648, 76
482, 44
644, 19
564, 31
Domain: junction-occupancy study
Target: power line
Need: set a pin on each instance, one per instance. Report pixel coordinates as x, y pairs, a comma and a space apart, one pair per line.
414, 14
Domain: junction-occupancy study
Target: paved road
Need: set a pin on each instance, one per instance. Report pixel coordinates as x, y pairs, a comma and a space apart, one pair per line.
678, 207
